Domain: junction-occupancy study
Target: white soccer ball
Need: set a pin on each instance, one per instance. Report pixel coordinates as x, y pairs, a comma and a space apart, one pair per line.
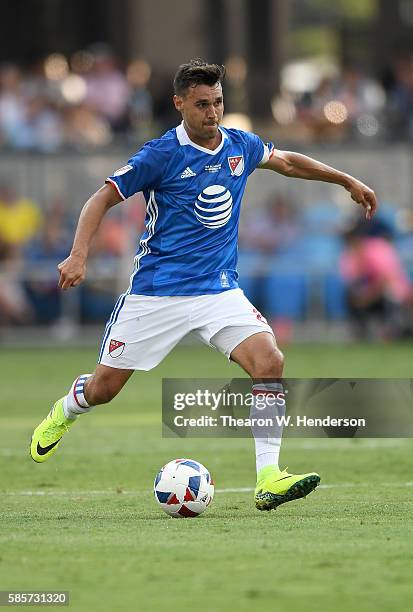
184, 488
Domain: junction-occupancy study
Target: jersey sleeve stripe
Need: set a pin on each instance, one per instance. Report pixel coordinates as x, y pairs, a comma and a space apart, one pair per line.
144, 247
269, 151
116, 186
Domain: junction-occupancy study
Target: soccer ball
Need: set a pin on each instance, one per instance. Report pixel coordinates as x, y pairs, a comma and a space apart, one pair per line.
184, 488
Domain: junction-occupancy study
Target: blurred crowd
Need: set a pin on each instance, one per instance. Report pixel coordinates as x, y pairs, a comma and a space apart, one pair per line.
86, 103
296, 264
316, 263
321, 103
34, 240
89, 100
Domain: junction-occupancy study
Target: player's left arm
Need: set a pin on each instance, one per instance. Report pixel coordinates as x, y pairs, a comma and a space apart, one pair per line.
296, 165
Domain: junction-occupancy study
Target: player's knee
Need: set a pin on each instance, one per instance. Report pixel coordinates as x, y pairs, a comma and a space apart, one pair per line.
268, 365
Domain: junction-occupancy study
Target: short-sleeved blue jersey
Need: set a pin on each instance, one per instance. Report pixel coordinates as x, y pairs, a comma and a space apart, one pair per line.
193, 198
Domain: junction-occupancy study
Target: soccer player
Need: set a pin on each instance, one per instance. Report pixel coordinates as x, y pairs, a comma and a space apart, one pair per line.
184, 277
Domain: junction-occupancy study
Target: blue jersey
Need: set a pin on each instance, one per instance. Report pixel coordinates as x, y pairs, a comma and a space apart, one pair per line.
193, 198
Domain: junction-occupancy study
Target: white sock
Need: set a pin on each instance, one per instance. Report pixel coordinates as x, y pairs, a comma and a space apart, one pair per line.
267, 439
75, 402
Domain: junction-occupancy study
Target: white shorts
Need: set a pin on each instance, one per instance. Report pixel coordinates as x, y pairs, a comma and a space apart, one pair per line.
143, 329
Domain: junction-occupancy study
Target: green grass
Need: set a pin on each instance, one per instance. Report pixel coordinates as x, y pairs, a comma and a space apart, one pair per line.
86, 521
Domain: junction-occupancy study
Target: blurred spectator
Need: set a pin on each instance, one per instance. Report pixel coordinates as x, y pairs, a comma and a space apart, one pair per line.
43, 254
268, 236
311, 111
401, 98
84, 129
97, 293
14, 306
113, 237
140, 100
20, 218
359, 93
347, 105
270, 229
28, 119
114, 242
118, 231
378, 288
42, 127
107, 88
12, 105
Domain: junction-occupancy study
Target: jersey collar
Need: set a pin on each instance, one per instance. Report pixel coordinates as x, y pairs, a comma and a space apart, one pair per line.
184, 139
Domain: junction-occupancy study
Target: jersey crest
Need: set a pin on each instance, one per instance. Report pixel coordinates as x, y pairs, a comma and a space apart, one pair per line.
236, 165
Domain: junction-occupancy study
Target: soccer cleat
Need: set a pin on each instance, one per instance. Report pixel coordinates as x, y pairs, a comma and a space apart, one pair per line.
275, 487
46, 437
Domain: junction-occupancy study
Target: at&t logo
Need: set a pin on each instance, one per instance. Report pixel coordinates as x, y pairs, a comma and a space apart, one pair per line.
213, 207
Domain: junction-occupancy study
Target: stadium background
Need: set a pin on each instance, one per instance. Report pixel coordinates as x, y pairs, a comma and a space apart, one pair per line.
80, 90
83, 92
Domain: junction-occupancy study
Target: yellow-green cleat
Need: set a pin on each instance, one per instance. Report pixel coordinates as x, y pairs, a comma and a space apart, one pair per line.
46, 437
275, 487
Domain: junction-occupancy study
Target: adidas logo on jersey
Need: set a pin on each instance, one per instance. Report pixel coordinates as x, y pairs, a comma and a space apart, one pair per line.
187, 173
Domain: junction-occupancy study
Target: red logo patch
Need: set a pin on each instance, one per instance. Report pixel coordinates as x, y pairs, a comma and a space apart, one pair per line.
259, 315
236, 165
116, 348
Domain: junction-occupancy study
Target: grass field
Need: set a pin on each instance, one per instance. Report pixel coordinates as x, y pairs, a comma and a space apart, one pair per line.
86, 521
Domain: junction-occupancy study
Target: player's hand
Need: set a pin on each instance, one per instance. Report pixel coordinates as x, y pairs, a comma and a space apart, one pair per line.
72, 271
363, 195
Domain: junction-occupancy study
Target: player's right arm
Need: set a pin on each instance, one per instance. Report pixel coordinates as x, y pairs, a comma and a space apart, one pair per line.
73, 269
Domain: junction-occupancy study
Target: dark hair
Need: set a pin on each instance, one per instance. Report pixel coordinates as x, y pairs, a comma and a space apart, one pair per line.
197, 72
